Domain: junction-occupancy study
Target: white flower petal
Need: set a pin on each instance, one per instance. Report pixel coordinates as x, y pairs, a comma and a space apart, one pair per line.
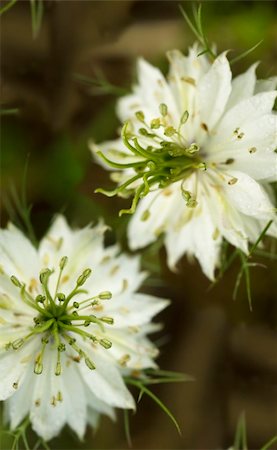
185, 73
196, 237
84, 249
13, 369
249, 197
118, 274
17, 255
254, 153
154, 90
106, 383
266, 85
47, 414
140, 351
128, 105
75, 399
134, 309
18, 405
213, 91
242, 87
243, 113
162, 206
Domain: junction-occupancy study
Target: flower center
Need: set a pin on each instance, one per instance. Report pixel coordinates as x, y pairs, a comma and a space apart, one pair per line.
168, 158
59, 317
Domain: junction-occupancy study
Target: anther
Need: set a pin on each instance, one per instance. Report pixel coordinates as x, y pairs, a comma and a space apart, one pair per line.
145, 215
105, 295
105, 343
17, 344
123, 361
60, 297
38, 368
140, 116
40, 298
194, 148
89, 364
192, 203
229, 161
108, 320
163, 109
189, 198
61, 347
58, 369
63, 262
155, 123
184, 117
144, 132
15, 281
83, 278
44, 275
232, 181
76, 305
169, 131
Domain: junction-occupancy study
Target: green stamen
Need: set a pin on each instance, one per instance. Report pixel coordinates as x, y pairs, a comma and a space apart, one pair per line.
55, 317
160, 165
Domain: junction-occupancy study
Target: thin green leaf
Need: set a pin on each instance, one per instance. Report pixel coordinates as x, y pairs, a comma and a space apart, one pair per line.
246, 53
150, 394
127, 428
226, 263
36, 16
246, 272
237, 284
25, 441
104, 86
6, 7
8, 111
197, 29
140, 396
189, 22
164, 380
266, 254
268, 445
247, 279
255, 245
240, 442
18, 209
170, 374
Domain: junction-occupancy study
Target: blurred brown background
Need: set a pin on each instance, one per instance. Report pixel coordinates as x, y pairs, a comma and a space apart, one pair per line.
54, 81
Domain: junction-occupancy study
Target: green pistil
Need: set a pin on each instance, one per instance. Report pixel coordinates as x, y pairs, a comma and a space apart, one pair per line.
57, 318
159, 165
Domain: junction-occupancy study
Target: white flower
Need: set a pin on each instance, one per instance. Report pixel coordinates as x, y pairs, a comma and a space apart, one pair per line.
68, 335
208, 146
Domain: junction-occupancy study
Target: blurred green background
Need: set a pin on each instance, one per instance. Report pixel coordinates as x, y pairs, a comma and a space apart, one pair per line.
55, 83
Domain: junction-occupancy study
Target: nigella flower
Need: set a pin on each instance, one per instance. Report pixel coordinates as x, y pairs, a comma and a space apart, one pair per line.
197, 154
71, 326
